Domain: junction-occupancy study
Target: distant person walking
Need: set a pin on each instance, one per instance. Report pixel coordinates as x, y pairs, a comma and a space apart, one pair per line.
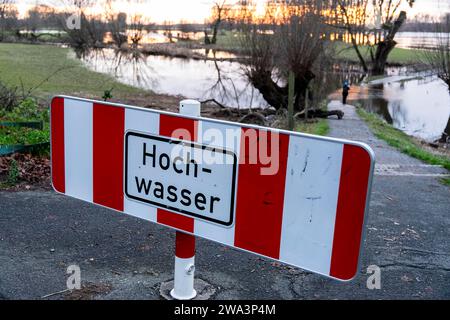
345, 91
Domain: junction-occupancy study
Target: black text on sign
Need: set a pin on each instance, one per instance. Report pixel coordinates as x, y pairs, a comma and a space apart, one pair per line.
184, 177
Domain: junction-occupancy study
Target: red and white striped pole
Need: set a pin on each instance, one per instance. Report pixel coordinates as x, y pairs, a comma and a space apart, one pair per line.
183, 288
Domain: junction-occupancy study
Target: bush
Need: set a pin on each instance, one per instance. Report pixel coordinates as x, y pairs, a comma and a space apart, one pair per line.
8, 98
26, 110
23, 136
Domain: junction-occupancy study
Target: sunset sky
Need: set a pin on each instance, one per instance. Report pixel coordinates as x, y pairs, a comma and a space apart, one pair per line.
198, 10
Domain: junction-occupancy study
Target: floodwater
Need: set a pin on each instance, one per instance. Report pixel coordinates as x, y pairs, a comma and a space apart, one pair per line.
413, 40
415, 103
195, 79
159, 36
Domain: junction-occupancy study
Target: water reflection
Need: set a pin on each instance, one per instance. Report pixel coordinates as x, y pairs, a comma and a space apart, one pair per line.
215, 54
157, 36
413, 40
415, 104
223, 81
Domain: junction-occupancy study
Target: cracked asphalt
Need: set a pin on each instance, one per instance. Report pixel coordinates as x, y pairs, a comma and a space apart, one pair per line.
121, 257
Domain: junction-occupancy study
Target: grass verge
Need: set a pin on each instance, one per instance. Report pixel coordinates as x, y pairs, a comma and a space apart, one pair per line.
318, 127
401, 141
397, 56
446, 181
29, 65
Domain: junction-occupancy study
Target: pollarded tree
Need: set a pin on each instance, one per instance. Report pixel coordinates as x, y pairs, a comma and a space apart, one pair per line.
287, 39
219, 14
7, 13
374, 23
439, 58
89, 32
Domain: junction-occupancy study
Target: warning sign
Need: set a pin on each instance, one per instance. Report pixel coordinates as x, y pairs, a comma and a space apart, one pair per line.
295, 198
185, 177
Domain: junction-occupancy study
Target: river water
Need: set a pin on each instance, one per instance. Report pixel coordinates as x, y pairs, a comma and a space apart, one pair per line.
196, 79
417, 104
414, 103
413, 40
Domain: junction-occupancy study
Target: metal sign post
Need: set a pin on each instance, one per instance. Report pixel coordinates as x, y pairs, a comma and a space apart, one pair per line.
183, 288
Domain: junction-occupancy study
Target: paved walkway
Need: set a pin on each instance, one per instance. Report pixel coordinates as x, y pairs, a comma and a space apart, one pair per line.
408, 232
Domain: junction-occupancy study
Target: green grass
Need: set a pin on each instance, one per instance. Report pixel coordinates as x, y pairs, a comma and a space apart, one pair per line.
397, 56
446, 181
400, 140
230, 40
23, 136
31, 64
319, 127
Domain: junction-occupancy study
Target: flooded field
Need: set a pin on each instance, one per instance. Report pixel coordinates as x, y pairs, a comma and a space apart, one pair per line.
417, 104
413, 40
196, 79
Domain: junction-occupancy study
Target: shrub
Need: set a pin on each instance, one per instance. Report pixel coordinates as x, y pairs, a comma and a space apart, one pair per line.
8, 98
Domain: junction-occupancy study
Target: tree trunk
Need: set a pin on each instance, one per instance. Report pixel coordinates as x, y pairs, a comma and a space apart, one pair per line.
358, 53
383, 50
445, 138
385, 47
274, 95
215, 30
277, 96
207, 41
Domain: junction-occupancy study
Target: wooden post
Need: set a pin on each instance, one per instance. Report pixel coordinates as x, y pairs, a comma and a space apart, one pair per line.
306, 103
291, 100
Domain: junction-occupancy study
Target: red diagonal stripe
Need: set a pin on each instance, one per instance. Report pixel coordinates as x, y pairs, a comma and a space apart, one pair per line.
185, 129
57, 141
109, 124
260, 199
350, 212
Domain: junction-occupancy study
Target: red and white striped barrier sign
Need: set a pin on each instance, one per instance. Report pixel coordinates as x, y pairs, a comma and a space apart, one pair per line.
295, 198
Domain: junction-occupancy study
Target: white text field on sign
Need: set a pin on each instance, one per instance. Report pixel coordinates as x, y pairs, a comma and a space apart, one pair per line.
188, 178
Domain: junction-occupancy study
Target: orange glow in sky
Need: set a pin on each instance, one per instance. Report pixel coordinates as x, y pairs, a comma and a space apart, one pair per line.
198, 10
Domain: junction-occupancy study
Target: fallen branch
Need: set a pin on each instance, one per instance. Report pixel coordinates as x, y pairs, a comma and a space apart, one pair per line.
214, 101
318, 113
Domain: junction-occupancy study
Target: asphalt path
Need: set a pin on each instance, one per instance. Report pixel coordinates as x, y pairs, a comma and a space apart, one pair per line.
121, 257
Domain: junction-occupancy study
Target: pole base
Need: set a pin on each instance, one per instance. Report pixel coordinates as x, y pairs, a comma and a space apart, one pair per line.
205, 290
188, 297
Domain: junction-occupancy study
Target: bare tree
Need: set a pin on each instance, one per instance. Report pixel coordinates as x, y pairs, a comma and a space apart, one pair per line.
5, 7
387, 19
7, 12
168, 29
136, 30
291, 40
439, 58
219, 14
117, 23
92, 29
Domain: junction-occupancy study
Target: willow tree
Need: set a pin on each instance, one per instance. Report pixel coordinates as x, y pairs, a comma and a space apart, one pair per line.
374, 23
219, 14
438, 58
7, 12
85, 31
288, 38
